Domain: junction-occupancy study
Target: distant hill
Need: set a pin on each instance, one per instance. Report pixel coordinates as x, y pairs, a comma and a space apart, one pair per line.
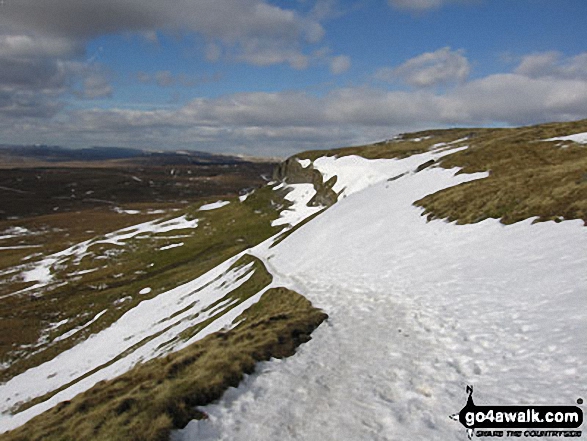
92, 154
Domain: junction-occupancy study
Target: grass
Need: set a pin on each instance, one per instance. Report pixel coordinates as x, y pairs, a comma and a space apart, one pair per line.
146, 403
401, 147
221, 233
528, 177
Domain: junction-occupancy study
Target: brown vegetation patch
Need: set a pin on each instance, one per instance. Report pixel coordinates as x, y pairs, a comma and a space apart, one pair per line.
528, 177
154, 398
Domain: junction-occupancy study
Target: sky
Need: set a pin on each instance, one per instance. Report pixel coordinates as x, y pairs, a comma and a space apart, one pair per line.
272, 78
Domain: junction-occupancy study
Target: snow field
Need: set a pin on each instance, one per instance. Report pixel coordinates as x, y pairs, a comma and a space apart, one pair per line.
41, 271
417, 311
149, 330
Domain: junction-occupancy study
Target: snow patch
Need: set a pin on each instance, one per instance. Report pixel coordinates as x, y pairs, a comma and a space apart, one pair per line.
79, 328
355, 173
170, 246
150, 329
12, 232
580, 138
299, 195
20, 247
41, 271
214, 205
122, 211
305, 163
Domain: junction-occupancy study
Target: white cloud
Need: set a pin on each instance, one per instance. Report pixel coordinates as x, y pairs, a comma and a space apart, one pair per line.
96, 86
340, 64
553, 65
22, 45
421, 5
243, 26
282, 123
42, 43
417, 5
443, 66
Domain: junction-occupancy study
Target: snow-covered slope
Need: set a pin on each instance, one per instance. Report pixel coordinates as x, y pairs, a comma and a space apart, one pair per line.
151, 329
418, 310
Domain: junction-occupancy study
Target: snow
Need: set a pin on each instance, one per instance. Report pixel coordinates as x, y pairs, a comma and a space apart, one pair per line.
305, 163
82, 272
41, 271
79, 328
417, 311
144, 291
170, 246
12, 232
580, 138
214, 205
355, 173
299, 195
424, 138
151, 227
149, 330
122, 211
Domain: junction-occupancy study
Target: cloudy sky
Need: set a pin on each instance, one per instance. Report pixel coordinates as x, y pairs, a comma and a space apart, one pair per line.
272, 78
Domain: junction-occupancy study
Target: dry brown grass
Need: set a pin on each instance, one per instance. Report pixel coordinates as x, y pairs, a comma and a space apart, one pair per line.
221, 234
149, 401
528, 177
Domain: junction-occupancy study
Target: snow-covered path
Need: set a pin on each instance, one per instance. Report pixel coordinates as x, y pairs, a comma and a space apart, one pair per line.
417, 311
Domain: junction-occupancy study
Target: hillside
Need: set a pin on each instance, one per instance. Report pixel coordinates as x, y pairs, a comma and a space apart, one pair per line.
442, 258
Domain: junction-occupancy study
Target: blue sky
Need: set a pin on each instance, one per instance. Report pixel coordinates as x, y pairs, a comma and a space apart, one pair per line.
272, 78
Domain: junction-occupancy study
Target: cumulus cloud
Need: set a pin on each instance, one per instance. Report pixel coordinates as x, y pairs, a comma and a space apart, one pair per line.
340, 64
443, 66
95, 85
165, 78
421, 5
42, 43
553, 65
251, 28
543, 87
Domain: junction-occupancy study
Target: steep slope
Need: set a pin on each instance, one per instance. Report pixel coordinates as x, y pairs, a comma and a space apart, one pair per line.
210, 247
418, 309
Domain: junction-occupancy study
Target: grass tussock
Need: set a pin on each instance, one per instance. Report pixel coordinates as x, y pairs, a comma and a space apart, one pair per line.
528, 177
146, 403
400, 147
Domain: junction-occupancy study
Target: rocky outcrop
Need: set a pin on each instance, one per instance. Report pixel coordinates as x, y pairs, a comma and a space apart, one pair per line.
291, 171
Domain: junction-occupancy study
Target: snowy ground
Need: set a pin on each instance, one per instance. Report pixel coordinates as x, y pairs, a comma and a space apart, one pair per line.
150, 329
417, 311
580, 138
42, 271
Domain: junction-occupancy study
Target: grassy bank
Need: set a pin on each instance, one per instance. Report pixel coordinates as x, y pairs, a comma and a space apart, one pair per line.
114, 284
149, 401
529, 177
